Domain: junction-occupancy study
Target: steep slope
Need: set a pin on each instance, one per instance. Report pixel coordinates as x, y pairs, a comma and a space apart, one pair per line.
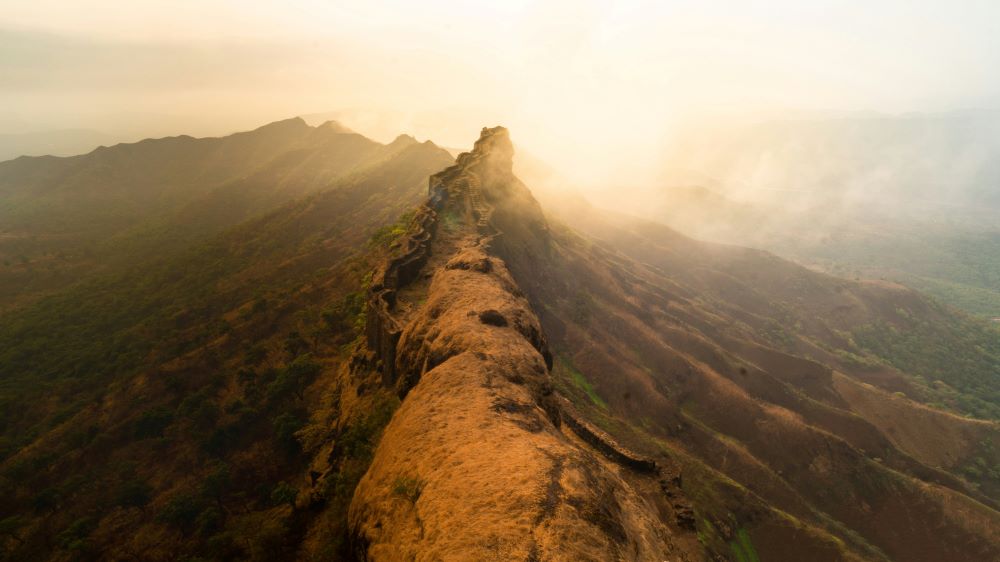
732, 364
64, 218
750, 363
151, 411
912, 198
949, 252
478, 380
475, 465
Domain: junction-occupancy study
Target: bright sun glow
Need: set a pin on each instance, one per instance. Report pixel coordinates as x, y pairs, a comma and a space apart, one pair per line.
593, 88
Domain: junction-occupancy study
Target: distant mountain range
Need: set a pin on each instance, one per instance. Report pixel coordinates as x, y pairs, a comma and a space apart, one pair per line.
296, 343
57, 214
65, 142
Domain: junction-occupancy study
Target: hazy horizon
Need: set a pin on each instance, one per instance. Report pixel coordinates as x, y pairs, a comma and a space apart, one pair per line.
713, 280
595, 89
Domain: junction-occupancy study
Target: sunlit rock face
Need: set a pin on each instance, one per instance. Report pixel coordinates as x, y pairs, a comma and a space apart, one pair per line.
475, 465
585, 385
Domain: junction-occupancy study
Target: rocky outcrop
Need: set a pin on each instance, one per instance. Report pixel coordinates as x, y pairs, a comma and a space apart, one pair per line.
603, 442
458, 188
409, 255
474, 465
462, 181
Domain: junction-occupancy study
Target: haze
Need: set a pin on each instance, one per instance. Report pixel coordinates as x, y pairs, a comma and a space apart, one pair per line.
559, 280
594, 89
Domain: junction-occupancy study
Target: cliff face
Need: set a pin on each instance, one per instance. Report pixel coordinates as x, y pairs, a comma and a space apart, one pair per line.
476, 464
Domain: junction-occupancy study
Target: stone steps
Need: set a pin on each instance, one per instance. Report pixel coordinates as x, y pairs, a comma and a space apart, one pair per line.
479, 206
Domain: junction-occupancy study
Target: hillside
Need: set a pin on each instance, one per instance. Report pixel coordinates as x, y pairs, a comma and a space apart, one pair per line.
907, 198
394, 369
949, 253
65, 142
728, 365
64, 218
231, 325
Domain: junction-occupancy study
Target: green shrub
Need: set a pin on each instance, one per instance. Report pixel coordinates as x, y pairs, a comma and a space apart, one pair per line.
742, 547
408, 487
74, 537
209, 521
284, 493
285, 426
218, 483
133, 493
181, 511
152, 423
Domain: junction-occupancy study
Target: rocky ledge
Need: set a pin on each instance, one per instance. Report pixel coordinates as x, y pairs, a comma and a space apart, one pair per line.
474, 465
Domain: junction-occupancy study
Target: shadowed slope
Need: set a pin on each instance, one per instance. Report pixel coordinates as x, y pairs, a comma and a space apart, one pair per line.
617, 391
65, 218
163, 409
746, 362
730, 363
478, 434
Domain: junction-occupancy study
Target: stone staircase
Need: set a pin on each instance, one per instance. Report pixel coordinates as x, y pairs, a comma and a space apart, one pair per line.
479, 207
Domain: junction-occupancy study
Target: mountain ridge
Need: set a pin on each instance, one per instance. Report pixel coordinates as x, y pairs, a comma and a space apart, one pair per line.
783, 384
501, 384
421, 360
63, 217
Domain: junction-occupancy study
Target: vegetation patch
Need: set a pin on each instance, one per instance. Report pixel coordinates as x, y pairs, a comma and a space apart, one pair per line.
567, 370
386, 235
742, 547
963, 382
408, 487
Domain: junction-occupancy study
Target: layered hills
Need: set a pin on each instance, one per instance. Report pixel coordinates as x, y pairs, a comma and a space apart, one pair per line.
64, 217
483, 379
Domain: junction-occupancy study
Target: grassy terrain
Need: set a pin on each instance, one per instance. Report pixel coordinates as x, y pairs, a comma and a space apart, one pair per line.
964, 383
166, 404
742, 547
564, 370
958, 264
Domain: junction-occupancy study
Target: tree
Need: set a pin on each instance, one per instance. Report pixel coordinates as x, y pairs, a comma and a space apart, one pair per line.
152, 423
10, 526
218, 483
285, 427
181, 511
294, 378
295, 344
284, 493
133, 493
210, 521
75, 536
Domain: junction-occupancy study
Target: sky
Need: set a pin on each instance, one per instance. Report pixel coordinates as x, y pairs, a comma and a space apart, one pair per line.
595, 89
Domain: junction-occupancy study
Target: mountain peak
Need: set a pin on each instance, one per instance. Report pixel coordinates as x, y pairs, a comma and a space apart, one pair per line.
482, 188
494, 146
289, 125
495, 141
333, 126
404, 140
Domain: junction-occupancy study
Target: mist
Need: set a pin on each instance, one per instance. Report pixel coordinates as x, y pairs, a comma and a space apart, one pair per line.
599, 91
